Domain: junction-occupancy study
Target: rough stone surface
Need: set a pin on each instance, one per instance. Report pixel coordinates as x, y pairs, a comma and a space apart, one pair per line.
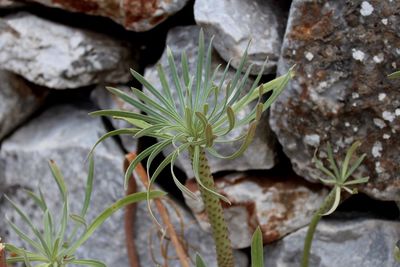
9, 4
60, 57
279, 205
136, 15
66, 134
344, 51
18, 100
351, 243
105, 100
235, 23
260, 154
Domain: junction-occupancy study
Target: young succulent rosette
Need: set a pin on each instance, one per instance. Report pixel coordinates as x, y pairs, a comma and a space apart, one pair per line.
197, 117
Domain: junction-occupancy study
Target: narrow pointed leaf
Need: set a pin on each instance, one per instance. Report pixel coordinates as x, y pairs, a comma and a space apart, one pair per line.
332, 161
394, 75
79, 219
151, 88
354, 166
175, 77
335, 203
257, 251
93, 263
199, 261
127, 114
99, 220
30, 224
26, 238
346, 160
181, 187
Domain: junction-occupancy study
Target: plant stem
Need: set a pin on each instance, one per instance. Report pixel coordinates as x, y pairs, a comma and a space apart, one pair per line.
215, 214
2, 255
328, 202
130, 214
180, 251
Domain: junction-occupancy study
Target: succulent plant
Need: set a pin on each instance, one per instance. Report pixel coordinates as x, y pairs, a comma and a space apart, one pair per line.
338, 177
193, 122
51, 245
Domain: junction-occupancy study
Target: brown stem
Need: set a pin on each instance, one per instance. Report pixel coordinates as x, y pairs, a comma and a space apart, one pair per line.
2, 256
180, 251
130, 212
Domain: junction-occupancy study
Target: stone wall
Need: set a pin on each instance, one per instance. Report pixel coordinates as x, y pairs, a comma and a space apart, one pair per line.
57, 56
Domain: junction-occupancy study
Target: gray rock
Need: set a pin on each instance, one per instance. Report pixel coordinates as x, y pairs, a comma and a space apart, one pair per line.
235, 23
344, 51
351, 243
279, 205
59, 56
105, 100
196, 239
260, 154
66, 134
18, 101
134, 15
9, 4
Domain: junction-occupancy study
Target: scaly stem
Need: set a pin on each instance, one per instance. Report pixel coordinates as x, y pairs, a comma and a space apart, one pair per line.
328, 202
215, 214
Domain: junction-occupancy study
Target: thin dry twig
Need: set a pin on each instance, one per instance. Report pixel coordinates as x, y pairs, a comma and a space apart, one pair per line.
2, 255
180, 251
130, 211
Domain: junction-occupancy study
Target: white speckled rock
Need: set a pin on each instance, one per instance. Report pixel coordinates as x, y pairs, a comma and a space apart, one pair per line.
344, 51
235, 23
66, 134
105, 100
279, 205
260, 154
136, 15
18, 99
351, 243
60, 57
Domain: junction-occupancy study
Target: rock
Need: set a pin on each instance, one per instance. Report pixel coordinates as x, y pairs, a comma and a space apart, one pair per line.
350, 243
344, 51
197, 240
60, 57
9, 4
279, 205
105, 100
18, 101
66, 134
136, 15
260, 154
235, 23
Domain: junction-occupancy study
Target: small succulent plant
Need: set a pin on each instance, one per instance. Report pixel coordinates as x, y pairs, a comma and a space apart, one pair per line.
338, 177
52, 246
195, 120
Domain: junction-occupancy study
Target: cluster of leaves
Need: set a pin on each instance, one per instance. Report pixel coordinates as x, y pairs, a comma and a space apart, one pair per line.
197, 118
51, 245
340, 173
